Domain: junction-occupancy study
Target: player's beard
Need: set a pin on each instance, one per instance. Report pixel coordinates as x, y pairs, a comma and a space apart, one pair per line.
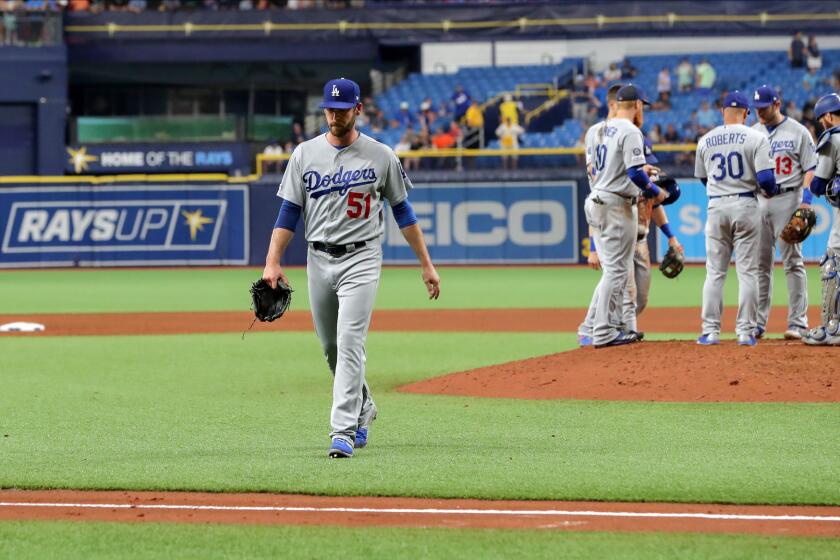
341, 131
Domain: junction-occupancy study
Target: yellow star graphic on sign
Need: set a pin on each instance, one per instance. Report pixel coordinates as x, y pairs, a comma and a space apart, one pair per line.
195, 221
80, 158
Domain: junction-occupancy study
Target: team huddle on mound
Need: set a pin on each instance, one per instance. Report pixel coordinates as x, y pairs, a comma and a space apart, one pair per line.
760, 183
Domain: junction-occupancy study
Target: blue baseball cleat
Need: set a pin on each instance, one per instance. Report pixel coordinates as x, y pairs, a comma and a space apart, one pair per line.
747, 340
340, 449
709, 339
584, 340
624, 337
758, 333
361, 438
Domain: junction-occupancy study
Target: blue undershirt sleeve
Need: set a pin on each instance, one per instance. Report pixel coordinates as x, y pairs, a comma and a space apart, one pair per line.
818, 185
807, 196
404, 214
767, 182
641, 180
288, 216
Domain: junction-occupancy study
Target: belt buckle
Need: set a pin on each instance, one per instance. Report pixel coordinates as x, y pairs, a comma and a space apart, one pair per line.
597, 200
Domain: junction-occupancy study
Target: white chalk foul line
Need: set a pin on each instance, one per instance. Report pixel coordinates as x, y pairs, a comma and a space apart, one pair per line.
435, 511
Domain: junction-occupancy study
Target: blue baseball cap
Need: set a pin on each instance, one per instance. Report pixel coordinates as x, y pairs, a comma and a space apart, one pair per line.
340, 94
764, 97
649, 155
827, 104
736, 99
632, 93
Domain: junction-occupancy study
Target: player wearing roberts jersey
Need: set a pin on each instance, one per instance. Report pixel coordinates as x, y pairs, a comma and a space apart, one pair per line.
340, 182
616, 153
826, 182
733, 161
792, 151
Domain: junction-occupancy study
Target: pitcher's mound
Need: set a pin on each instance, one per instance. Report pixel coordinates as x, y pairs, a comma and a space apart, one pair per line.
677, 371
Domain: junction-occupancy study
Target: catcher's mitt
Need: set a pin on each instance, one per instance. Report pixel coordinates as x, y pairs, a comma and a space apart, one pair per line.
270, 304
800, 225
672, 263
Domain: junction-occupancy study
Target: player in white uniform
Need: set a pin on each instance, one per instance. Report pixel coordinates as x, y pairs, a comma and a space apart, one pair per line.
792, 151
733, 161
826, 183
616, 153
340, 182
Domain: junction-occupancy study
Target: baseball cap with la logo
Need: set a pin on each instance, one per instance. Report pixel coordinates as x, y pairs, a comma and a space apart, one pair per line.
340, 94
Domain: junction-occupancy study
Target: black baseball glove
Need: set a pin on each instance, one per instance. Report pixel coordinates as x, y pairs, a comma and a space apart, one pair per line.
270, 304
672, 264
800, 225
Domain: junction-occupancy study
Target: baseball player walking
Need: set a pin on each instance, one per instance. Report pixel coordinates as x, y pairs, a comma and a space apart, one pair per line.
340, 181
733, 161
793, 154
825, 182
616, 153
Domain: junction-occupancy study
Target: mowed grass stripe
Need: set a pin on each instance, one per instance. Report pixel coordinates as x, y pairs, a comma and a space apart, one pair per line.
211, 412
226, 289
36, 540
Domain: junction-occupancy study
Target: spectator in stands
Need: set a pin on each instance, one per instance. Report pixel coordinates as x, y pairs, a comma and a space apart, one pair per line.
508, 135
76, 5
10, 34
420, 141
298, 135
600, 95
691, 130
460, 102
671, 135
378, 122
404, 117
580, 99
404, 145
796, 51
509, 109
427, 115
685, 76
655, 134
137, 6
663, 88
475, 116
707, 118
706, 76
272, 149
443, 139
628, 71
814, 57
792, 111
245, 5
612, 74
810, 81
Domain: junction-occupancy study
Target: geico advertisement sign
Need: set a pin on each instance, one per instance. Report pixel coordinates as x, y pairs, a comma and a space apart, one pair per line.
525, 222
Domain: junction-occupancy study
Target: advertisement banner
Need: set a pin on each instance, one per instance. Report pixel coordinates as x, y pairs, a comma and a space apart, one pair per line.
688, 220
215, 157
522, 222
126, 225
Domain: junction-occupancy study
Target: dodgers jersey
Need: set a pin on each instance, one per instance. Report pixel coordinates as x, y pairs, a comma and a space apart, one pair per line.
828, 166
729, 157
342, 191
791, 150
613, 147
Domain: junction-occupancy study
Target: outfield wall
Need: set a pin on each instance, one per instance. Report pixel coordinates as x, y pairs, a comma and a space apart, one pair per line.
488, 222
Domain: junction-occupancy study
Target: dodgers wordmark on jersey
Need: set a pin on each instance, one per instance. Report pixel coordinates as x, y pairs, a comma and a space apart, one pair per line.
733, 154
336, 187
791, 151
612, 148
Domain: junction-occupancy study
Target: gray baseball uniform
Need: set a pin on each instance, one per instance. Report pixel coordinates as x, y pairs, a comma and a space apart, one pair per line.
792, 151
342, 194
730, 157
611, 212
828, 167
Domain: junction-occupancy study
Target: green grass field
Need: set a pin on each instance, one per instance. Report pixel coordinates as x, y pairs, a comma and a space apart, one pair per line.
214, 412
